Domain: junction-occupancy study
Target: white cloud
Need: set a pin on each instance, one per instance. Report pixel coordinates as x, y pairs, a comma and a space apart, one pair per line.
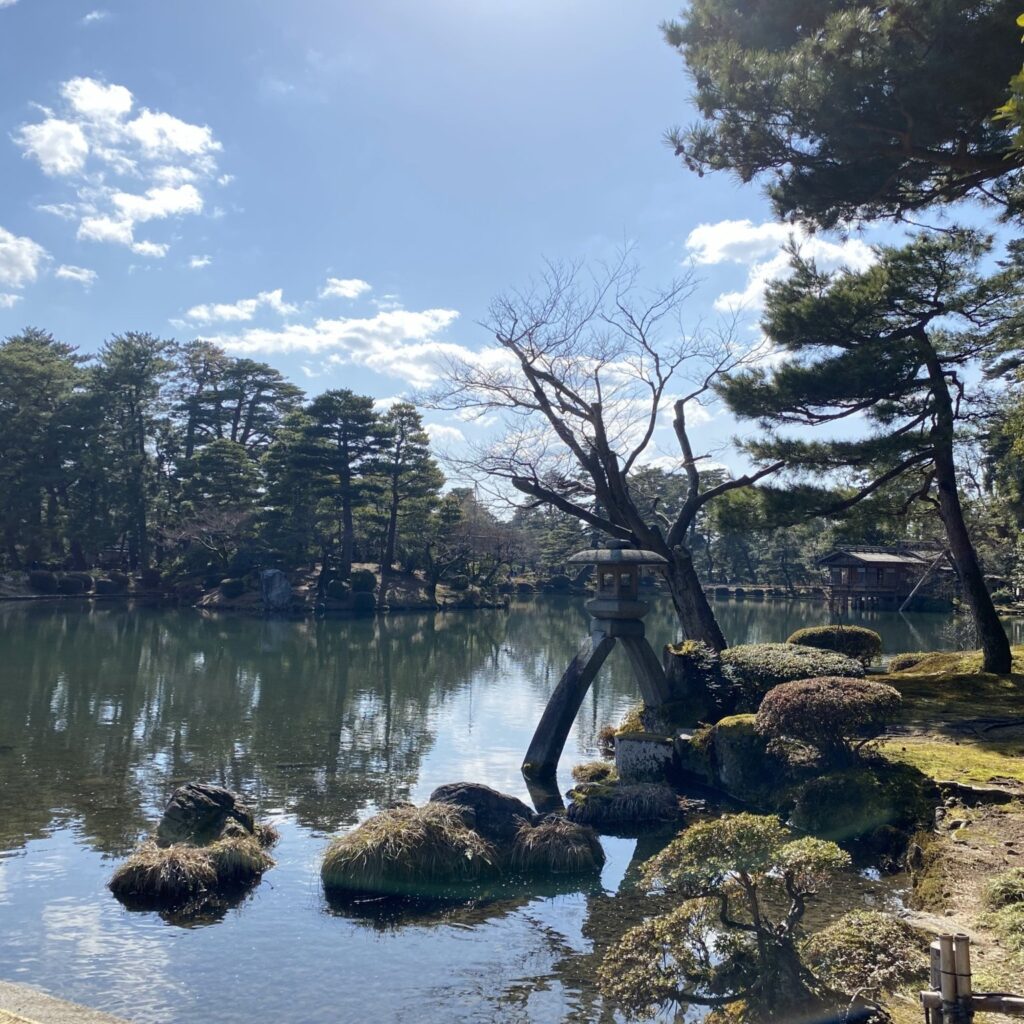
93, 16
400, 343
157, 250
244, 309
158, 203
82, 275
198, 262
439, 433
59, 146
383, 404
344, 288
8, 3
7, 299
106, 229
99, 136
20, 259
761, 248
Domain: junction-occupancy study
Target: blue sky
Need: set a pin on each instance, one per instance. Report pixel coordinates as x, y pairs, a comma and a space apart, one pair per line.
339, 188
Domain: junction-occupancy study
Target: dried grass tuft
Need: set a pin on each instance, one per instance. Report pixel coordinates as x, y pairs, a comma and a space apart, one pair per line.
171, 875
267, 835
408, 850
612, 804
595, 771
238, 860
556, 846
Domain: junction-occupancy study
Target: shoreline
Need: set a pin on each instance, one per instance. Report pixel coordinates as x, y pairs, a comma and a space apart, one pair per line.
23, 1004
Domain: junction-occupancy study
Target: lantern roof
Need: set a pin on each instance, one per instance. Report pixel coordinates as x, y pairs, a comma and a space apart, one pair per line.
618, 552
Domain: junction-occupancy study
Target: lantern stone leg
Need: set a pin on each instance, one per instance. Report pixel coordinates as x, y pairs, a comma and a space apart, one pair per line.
553, 729
617, 611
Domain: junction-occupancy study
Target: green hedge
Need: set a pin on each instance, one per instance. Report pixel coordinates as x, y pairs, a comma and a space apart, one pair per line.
71, 585
753, 669
363, 581
43, 582
854, 641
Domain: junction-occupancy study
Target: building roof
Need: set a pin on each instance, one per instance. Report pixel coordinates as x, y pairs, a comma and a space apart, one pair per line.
909, 557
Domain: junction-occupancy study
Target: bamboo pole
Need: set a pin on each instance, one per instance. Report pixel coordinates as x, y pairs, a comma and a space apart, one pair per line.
947, 979
962, 964
1010, 1005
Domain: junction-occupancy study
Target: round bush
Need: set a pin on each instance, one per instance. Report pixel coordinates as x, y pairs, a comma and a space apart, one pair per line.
899, 662
753, 669
854, 641
458, 583
150, 578
560, 583
71, 585
363, 581
337, 590
120, 578
108, 588
86, 580
232, 587
1002, 597
833, 714
42, 582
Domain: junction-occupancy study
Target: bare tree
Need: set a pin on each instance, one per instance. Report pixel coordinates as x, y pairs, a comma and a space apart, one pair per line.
586, 365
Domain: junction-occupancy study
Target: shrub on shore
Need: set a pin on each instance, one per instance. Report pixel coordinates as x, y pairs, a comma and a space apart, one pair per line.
909, 659
753, 669
42, 582
362, 581
864, 645
834, 715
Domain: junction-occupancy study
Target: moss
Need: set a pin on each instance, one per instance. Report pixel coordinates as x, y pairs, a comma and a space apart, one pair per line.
931, 885
867, 951
908, 659
966, 760
861, 801
632, 720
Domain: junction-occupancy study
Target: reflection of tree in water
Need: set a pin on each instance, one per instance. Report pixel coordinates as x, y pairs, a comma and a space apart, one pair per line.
104, 710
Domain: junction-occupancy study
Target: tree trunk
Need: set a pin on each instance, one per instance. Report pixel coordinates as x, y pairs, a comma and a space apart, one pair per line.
692, 606
388, 558
994, 643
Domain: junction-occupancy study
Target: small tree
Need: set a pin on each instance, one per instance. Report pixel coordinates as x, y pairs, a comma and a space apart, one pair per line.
833, 714
745, 882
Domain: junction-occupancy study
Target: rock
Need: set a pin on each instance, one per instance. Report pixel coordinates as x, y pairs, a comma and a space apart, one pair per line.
197, 813
495, 816
643, 757
973, 796
275, 590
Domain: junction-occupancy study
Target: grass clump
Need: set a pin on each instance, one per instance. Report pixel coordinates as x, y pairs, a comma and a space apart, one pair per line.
616, 804
868, 952
856, 642
171, 875
408, 851
595, 771
1005, 890
556, 846
632, 720
238, 859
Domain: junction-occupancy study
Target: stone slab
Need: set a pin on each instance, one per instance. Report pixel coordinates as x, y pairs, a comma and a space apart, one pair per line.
22, 1004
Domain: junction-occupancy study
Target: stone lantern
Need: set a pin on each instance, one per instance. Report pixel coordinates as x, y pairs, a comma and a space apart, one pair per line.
617, 616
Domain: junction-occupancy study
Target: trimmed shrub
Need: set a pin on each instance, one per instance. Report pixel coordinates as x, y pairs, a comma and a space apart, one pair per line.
409, 851
753, 669
108, 588
42, 581
899, 662
833, 714
86, 580
71, 585
232, 587
1002, 597
856, 642
338, 590
363, 581
458, 583
867, 951
558, 847
122, 579
560, 583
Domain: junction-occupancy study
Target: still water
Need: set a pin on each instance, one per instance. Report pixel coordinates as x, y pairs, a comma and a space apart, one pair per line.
104, 710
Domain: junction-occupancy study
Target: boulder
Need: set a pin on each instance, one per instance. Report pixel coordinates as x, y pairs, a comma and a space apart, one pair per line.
197, 813
495, 816
275, 590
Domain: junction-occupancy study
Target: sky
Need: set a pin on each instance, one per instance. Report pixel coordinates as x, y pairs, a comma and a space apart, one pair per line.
340, 188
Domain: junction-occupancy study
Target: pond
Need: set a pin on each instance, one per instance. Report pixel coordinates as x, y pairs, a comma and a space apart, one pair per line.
104, 710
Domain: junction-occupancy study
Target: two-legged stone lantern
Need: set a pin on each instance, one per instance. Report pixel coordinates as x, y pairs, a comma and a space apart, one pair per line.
617, 613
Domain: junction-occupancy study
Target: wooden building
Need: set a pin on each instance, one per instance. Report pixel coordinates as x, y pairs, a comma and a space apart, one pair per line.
878, 577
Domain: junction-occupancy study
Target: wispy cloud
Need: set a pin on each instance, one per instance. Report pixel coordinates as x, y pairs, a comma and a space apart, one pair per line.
94, 16
82, 275
100, 147
198, 262
20, 261
243, 309
344, 288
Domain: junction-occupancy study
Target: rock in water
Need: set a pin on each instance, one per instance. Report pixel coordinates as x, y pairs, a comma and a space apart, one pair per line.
275, 590
495, 816
197, 813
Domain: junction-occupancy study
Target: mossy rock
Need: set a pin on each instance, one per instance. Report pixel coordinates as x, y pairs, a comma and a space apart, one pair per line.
857, 803
743, 767
617, 806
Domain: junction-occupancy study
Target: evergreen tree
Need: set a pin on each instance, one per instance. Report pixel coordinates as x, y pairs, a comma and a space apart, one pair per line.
854, 111
896, 344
